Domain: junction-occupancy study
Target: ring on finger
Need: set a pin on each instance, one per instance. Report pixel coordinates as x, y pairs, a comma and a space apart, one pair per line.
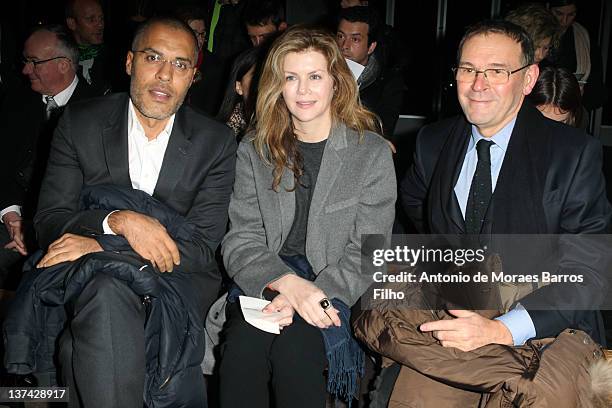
325, 303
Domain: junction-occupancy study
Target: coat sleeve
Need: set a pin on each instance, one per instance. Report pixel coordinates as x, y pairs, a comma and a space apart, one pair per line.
586, 210
58, 204
349, 278
413, 188
208, 212
246, 255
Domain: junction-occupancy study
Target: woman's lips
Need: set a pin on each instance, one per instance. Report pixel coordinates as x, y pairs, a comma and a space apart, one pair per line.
305, 104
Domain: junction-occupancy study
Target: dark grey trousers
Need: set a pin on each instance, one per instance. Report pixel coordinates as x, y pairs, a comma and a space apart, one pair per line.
102, 352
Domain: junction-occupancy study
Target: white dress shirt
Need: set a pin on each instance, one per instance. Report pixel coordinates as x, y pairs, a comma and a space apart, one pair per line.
64, 96
61, 99
145, 156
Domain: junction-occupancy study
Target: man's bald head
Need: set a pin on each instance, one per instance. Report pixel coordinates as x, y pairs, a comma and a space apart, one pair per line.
171, 22
85, 19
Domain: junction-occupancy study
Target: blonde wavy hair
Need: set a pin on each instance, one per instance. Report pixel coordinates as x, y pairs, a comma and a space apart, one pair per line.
274, 137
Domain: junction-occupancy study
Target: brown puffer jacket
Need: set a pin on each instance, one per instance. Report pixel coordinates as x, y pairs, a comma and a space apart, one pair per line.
553, 372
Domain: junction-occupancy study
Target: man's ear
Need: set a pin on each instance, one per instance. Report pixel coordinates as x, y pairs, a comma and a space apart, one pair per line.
372, 47
64, 65
71, 23
531, 76
128, 62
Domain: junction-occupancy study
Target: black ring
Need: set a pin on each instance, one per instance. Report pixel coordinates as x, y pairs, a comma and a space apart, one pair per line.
325, 303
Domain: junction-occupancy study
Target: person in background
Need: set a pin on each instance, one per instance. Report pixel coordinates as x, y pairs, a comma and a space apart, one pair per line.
241, 94
557, 95
85, 19
579, 54
27, 120
311, 180
195, 17
540, 24
381, 87
263, 19
226, 38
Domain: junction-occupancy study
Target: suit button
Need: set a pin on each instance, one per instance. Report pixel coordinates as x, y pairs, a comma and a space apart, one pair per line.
20, 174
572, 331
586, 341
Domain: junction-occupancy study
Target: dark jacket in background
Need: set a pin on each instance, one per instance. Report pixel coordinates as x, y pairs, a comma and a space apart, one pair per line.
26, 138
564, 56
383, 93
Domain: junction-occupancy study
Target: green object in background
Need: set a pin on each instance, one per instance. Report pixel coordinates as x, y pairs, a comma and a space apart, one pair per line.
213, 25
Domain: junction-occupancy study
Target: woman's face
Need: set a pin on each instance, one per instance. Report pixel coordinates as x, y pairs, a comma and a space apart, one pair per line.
554, 112
244, 84
542, 49
308, 88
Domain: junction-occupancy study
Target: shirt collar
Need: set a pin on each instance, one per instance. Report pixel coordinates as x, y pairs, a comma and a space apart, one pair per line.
501, 138
64, 96
134, 124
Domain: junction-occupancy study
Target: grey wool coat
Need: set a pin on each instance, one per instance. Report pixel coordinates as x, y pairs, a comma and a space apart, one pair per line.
354, 194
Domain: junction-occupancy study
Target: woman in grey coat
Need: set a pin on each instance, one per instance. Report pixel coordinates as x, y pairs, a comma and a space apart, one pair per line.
311, 180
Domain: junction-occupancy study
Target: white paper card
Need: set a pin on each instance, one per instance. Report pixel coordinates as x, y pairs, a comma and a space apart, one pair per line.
251, 310
355, 68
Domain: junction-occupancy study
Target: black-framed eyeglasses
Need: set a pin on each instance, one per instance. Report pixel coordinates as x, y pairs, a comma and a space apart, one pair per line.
200, 34
36, 63
151, 58
495, 76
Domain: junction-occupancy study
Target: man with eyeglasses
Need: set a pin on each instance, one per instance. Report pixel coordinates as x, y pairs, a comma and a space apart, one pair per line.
27, 120
149, 141
501, 168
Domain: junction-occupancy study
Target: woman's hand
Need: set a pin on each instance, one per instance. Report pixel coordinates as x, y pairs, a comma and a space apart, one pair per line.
305, 296
281, 304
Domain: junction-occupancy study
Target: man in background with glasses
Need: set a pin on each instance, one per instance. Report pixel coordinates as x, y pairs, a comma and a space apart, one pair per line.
502, 168
147, 141
27, 120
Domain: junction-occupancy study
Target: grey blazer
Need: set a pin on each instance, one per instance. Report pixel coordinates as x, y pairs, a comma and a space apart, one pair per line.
355, 194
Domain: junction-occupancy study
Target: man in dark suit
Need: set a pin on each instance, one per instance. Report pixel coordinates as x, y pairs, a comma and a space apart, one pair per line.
381, 85
502, 168
27, 119
146, 141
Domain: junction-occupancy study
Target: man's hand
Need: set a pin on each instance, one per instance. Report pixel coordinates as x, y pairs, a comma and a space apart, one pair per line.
14, 225
69, 247
281, 304
147, 237
468, 331
304, 296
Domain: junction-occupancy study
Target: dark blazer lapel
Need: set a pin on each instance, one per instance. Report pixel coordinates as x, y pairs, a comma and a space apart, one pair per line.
516, 203
447, 173
114, 137
331, 164
176, 157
